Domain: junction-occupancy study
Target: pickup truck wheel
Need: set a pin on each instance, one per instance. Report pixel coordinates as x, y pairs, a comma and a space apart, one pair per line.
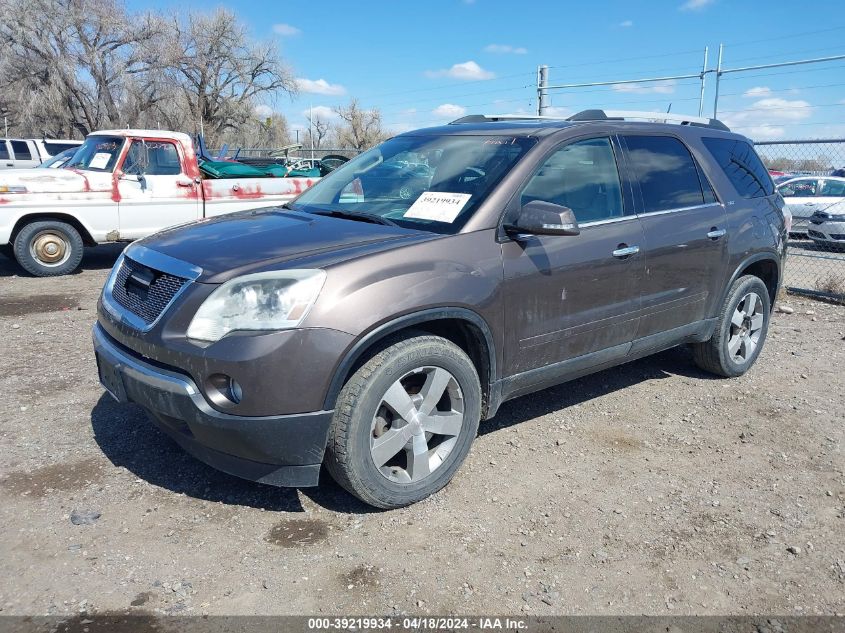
740, 330
48, 248
404, 422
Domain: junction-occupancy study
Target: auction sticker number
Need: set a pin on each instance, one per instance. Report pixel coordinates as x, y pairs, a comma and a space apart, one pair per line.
438, 206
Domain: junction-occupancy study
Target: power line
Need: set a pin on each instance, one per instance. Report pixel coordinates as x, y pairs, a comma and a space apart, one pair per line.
783, 37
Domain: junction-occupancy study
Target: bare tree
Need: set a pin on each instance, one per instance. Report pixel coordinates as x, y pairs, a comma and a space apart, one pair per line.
76, 65
320, 131
221, 72
360, 129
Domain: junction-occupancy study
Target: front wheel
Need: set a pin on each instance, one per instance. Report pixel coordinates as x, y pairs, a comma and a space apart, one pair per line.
740, 330
404, 422
48, 248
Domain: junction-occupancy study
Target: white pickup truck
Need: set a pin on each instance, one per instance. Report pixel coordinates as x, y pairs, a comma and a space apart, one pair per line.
120, 185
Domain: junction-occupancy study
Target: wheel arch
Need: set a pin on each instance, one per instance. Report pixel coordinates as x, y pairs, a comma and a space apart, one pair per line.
462, 326
29, 218
766, 266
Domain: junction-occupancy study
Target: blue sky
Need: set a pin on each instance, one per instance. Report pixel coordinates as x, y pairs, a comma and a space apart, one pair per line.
423, 63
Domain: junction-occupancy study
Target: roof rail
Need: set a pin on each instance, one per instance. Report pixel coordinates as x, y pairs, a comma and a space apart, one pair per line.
492, 118
657, 117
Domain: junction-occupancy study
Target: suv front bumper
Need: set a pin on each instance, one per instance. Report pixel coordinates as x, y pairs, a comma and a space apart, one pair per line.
283, 450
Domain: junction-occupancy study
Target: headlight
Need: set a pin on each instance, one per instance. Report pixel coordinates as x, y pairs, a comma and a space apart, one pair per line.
275, 300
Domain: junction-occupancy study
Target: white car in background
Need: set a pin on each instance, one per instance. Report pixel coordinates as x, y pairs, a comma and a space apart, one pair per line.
16, 153
827, 226
804, 195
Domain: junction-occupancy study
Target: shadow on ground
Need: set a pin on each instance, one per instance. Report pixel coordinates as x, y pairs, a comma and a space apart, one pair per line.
130, 440
94, 258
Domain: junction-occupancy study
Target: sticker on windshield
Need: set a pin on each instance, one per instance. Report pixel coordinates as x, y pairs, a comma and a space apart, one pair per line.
100, 160
438, 206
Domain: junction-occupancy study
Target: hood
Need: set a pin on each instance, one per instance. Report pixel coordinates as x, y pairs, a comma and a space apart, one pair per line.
267, 239
55, 180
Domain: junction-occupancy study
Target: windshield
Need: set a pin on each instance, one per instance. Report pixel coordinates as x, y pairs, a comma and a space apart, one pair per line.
97, 153
434, 183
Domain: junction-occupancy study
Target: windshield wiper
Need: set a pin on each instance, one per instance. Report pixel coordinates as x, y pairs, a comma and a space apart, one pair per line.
357, 215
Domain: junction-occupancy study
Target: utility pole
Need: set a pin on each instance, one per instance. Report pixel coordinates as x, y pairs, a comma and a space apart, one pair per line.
718, 77
542, 95
703, 76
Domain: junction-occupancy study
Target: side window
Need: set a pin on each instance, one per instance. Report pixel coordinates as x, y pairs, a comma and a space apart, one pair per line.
742, 166
152, 158
804, 188
582, 176
4, 151
21, 150
832, 188
666, 172
56, 147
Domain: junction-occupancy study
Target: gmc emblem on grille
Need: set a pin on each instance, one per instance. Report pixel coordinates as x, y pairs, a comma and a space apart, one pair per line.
139, 282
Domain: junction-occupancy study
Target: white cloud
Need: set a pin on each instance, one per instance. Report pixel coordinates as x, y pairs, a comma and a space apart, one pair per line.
449, 111
319, 87
505, 48
661, 87
626, 24
757, 92
695, 5
466, 71
320, 112
558, 111
763, 132
263, 111
768, 118
285, 30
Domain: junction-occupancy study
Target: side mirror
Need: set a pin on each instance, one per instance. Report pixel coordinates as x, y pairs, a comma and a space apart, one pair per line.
544, 218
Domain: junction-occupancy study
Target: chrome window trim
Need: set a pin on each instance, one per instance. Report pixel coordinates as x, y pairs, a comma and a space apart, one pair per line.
157, 261
679, 209
613, 220
623, 218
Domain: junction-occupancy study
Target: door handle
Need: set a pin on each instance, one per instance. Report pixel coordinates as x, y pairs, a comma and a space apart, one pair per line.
624, 251
715, 234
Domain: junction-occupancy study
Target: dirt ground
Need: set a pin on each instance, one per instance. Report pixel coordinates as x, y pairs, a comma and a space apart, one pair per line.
647, 489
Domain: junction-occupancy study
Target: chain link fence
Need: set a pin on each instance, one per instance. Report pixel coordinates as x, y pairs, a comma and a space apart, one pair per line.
811, 177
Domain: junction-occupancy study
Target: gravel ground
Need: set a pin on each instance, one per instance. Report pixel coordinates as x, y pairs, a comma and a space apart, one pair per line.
647, 489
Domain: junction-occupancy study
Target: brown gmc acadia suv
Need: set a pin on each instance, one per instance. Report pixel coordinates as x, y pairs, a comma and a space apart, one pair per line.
373, 322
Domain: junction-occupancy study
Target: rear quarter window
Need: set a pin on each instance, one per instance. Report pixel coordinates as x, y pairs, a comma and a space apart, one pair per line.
742, 166
56, 147
21, 150
666, 173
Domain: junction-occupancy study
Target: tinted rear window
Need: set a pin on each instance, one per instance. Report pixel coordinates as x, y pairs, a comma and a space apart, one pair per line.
742, 166
4, 151
21, 150
666, 172
56, 147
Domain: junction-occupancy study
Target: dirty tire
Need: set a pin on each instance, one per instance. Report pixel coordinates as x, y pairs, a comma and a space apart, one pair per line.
361, 411
48, 248
715, 355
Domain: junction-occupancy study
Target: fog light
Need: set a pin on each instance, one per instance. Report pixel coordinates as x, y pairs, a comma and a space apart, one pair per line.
223, 390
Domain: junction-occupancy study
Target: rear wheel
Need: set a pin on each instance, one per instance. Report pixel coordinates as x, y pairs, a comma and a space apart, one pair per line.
740, 331
404, 422
48, 248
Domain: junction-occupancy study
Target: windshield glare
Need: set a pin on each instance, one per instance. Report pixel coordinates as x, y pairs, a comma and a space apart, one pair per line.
97, 153
434, 183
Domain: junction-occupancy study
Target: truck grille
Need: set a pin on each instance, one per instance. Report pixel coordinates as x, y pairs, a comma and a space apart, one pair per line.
144, 291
